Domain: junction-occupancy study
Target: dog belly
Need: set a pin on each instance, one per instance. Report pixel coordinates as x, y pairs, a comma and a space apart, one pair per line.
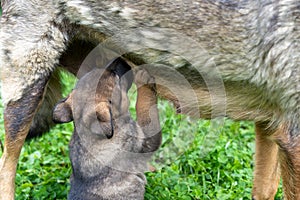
236, 82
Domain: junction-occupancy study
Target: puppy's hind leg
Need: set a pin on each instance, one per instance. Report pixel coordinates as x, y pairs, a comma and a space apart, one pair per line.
266, 174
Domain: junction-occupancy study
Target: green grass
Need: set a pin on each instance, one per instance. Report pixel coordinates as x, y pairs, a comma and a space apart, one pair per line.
189, 164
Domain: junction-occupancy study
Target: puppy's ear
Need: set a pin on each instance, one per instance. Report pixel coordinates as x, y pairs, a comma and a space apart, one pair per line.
122, 69
62, 112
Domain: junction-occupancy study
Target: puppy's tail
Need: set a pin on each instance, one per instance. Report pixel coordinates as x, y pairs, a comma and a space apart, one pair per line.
42, 121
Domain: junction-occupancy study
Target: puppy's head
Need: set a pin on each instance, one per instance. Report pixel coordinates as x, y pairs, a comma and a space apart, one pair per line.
98, 99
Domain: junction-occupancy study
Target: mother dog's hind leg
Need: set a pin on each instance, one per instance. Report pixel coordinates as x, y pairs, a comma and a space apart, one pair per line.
266, 174
288, 141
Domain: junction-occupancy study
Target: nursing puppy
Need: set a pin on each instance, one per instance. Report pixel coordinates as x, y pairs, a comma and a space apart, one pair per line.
240, 59
108, 150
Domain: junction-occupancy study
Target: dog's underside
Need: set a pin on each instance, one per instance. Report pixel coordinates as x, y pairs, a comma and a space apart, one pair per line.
249, 68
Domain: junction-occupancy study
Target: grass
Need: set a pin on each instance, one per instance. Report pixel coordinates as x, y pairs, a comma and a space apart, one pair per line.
190, 165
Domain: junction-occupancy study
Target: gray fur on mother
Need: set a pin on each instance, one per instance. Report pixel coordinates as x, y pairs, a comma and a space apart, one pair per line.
252, 46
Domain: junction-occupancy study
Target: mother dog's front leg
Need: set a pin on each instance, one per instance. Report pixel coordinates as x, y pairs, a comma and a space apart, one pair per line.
31, 43
17, 117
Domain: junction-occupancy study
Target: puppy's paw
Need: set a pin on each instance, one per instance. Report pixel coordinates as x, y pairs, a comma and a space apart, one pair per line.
143, 78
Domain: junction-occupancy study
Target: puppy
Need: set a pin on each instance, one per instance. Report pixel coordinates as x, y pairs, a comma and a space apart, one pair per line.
108, 150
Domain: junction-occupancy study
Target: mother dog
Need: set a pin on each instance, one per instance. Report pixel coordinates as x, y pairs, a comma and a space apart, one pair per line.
250, 67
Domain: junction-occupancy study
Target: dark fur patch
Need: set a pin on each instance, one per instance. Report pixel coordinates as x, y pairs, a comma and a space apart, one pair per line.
121, 68
42, 121
18, 114
75, 54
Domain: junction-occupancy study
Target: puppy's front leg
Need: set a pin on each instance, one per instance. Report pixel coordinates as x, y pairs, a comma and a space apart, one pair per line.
146, 109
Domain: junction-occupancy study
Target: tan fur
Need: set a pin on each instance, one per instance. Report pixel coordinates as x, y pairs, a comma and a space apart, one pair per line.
266, 164
247, 53
289, 162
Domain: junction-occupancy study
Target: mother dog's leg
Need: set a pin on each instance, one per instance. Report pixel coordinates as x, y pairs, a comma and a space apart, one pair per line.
266, 174
17, 117
31, 42
288, 141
